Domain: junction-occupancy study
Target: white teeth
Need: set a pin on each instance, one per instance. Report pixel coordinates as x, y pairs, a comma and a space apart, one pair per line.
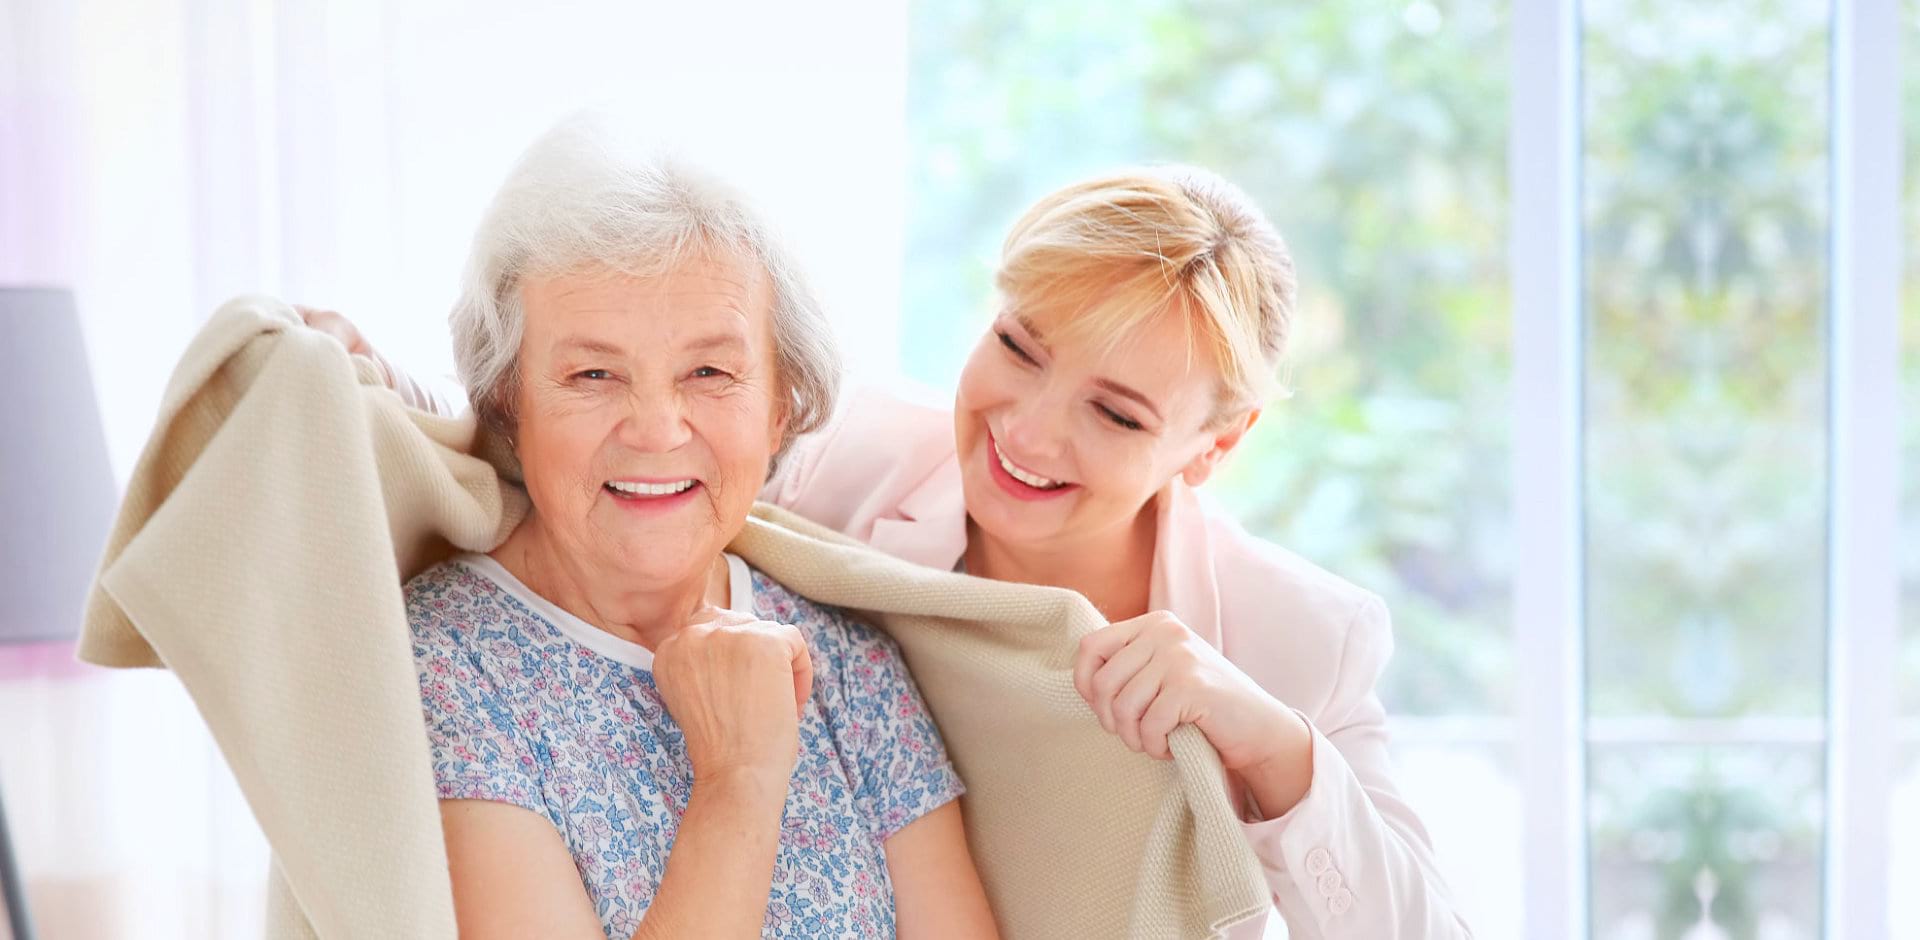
650, 489
1034, 480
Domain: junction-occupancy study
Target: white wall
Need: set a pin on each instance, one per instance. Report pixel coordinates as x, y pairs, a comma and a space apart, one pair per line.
163, 155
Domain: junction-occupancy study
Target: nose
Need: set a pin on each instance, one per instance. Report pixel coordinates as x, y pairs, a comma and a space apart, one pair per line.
1036, 428
656, 422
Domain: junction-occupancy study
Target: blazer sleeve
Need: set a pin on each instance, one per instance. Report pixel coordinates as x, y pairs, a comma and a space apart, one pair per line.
841, 474
1351, 860
795, 472
440, 395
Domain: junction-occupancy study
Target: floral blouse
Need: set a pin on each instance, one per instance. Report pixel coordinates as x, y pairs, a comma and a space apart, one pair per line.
527, 704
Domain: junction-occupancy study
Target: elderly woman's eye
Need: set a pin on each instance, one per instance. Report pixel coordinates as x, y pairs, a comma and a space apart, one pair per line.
708, 372
594, 374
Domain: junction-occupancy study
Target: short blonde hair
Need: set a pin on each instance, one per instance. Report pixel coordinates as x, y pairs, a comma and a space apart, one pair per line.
583, 195
1115, 251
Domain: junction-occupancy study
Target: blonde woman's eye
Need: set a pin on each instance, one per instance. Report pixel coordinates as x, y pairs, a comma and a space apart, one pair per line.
1118, 418
1006, 340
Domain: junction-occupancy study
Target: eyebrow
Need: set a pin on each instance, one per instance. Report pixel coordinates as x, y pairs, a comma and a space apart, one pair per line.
1032, 330
1125, 392
730, 341
588, 344
591, 345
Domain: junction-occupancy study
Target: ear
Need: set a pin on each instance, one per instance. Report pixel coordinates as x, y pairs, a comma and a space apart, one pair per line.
782, 413
1224, 441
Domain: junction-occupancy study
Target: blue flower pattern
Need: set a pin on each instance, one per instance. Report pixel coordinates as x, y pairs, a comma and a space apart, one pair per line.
519, 713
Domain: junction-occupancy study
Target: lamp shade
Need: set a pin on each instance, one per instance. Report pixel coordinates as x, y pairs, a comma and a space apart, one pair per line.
57, 494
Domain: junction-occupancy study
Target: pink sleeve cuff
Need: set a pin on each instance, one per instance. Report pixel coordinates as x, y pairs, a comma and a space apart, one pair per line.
1270, 837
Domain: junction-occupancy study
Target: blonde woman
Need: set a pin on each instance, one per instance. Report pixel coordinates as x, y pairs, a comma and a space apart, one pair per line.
1140, 322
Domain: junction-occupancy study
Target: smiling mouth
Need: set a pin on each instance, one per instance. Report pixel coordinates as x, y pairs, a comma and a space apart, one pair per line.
629, 490
1025, 476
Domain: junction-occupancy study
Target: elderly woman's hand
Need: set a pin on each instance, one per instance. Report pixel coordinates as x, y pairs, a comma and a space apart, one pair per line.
736, 687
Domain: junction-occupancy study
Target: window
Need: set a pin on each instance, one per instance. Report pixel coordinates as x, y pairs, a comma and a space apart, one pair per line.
1704, 183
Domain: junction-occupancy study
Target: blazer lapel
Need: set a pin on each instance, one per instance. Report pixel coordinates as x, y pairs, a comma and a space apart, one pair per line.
1183, 575
931, 528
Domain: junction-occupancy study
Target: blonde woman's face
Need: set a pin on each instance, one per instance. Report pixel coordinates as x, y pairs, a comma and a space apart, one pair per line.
1059, 442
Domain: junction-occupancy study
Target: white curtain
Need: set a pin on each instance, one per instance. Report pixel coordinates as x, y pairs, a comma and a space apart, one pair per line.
160, 156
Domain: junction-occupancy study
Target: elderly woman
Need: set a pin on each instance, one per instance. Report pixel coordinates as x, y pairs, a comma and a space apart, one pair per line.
633, 731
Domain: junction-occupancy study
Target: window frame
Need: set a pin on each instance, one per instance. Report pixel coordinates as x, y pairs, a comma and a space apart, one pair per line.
1863, 578
1544, 254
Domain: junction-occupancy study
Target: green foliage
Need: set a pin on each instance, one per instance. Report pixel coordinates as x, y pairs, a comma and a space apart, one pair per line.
1706, 225
1706, 228
1697, 839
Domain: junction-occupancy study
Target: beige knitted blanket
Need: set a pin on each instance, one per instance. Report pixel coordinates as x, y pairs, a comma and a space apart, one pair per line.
259, 554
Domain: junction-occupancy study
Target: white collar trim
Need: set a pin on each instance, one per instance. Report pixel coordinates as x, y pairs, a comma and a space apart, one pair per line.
739, 587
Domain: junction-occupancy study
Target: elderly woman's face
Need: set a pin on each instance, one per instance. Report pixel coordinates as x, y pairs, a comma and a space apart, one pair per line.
648, 413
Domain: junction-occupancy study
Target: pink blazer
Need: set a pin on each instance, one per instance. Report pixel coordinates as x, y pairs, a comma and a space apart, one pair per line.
1351, 860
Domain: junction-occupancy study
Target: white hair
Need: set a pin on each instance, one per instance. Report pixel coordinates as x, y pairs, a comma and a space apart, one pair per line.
577, 198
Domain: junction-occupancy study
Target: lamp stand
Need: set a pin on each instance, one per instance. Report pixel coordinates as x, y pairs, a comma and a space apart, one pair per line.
11, 885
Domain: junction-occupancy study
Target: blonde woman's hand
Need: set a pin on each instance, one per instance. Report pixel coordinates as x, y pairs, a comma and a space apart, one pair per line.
736, 687
1146, 676
336, 325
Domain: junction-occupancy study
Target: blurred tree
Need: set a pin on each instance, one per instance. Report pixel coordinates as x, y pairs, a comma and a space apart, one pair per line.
1705, 193
1706, 204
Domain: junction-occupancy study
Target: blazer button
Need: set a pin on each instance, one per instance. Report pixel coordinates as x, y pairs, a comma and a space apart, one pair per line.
1329, 884
1341, 902
1318, 861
